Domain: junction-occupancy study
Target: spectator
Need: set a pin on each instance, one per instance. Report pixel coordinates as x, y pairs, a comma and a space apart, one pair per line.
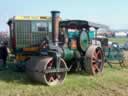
4, 53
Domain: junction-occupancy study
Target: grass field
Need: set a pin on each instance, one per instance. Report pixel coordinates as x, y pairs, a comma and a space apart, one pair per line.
112, 82
120, 40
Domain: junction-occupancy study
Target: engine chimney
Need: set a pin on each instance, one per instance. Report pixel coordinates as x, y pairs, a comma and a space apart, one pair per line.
55, 26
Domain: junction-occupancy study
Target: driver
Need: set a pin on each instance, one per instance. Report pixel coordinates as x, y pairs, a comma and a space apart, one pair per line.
63, 38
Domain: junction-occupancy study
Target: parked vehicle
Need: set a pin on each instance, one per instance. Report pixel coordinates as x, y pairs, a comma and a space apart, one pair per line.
51, 68
125, 46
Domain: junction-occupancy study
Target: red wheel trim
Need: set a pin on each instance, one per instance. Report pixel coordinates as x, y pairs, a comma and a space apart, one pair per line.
51, 76
95, 57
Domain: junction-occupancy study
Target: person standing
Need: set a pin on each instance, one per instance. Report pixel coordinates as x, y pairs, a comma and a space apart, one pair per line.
4, 53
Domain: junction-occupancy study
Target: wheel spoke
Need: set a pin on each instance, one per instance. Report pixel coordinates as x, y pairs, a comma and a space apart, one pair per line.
98, 53
95, 54
96, 60
96, 68
93, 61
100, 61
94, 57
51, 79
49, 66
58, 76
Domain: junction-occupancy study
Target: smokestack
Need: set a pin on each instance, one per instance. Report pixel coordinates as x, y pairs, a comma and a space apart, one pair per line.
55, 26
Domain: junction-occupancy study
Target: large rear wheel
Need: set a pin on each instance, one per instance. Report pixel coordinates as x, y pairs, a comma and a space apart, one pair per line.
94, 60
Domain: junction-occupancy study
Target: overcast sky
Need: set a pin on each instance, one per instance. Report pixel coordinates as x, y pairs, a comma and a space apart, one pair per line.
110, 12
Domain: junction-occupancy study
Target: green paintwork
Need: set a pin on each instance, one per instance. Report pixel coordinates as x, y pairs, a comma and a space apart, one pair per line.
68, 54
27, 32
84, 40
114, 53
72, 35
91, 34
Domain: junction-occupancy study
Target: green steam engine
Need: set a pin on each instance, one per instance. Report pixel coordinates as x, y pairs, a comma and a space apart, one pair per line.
67, 48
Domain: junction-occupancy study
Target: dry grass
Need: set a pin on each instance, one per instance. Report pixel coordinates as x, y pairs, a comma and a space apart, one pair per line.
125, 58
112, 82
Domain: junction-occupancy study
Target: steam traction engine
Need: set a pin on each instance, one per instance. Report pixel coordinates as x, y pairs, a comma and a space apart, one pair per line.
70, 49
67, 48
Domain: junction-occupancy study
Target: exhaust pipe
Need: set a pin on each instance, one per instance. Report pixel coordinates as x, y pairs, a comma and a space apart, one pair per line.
55, 26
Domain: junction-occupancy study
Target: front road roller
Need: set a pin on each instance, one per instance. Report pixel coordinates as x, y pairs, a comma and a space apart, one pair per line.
44, 70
